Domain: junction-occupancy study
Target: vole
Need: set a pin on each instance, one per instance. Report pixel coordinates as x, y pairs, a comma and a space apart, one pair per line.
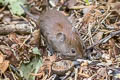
59, 34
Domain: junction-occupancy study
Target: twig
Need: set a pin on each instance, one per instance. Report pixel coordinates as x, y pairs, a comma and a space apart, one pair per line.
104, 40
67, 75
106, 17
52, 77
21, 28
2, 8
76, 73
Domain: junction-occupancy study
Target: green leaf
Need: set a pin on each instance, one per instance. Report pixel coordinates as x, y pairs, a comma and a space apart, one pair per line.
87, 1
14, 6
36, 51
1, 1
32, 67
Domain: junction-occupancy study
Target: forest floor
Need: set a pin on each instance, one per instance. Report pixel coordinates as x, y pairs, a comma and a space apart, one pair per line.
23, 51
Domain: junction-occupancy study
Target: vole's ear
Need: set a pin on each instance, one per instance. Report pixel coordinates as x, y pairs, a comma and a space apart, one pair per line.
60, 37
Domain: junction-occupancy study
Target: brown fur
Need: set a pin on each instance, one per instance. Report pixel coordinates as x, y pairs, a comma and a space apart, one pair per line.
58, 32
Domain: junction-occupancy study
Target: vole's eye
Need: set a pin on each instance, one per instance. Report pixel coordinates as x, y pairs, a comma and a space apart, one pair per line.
73, 50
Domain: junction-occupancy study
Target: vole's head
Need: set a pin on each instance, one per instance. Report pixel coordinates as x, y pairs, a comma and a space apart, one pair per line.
70, 46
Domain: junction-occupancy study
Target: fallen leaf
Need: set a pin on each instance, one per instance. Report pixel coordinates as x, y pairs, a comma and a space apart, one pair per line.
4, 66
115, 7
1, 58
32, 67
36, 51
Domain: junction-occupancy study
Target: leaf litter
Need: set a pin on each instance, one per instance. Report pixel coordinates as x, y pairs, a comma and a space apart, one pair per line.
97, 22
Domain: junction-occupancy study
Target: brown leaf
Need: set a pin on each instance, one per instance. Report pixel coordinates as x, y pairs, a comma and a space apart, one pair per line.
6, 50
98, 36
1, 58
35, 40
9, 54
13, 37
115, 7
4, 66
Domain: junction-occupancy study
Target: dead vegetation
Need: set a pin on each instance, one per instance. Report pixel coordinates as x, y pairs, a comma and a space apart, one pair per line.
23, 52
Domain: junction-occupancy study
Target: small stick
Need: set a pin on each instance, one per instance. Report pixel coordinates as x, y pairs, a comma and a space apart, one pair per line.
76, 73
104, 40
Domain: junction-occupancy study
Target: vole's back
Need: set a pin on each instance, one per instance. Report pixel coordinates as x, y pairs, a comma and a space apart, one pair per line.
59, 34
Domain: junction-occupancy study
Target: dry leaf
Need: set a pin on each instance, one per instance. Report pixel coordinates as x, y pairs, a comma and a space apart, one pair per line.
4, 66
115, 7
13, 37
1, 58
98, 36
35, 40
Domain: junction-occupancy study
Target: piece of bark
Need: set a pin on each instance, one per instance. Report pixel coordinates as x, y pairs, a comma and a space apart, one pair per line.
21, 28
